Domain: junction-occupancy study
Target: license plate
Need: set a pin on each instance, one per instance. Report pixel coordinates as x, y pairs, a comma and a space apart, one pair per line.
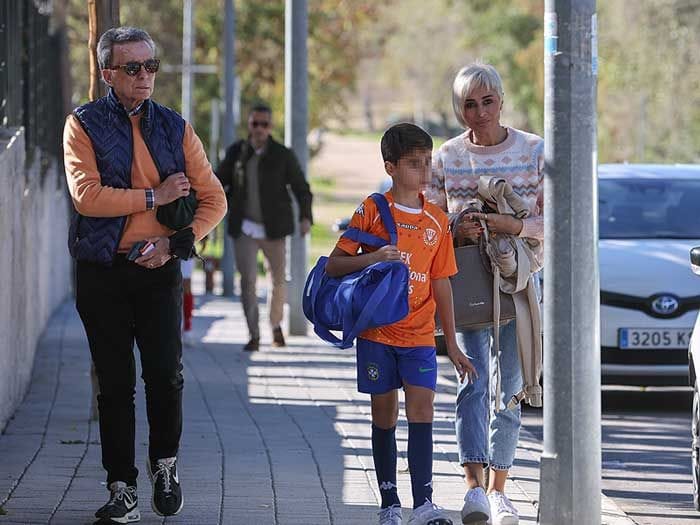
670, 338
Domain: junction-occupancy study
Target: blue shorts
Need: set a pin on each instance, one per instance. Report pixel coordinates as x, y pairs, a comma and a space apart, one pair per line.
382, 368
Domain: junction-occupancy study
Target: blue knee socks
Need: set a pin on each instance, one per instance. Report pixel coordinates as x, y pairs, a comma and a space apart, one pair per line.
384, 453
420, 461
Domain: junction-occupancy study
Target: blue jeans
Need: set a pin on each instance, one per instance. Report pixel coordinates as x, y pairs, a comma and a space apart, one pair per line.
483, 435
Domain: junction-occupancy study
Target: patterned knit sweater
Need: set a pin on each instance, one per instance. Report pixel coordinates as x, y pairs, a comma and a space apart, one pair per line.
458, 164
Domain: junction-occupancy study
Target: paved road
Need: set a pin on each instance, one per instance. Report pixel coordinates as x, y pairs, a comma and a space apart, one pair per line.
279, 437
646, 454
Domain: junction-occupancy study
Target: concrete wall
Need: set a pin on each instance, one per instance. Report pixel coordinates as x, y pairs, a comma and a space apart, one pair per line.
35, 267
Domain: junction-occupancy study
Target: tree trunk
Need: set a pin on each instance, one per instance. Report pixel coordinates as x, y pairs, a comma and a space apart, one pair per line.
102, 15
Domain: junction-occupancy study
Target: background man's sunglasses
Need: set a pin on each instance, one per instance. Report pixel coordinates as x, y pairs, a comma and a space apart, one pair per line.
259, 124
132, 68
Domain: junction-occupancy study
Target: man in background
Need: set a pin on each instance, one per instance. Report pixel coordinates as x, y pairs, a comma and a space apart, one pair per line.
257, 173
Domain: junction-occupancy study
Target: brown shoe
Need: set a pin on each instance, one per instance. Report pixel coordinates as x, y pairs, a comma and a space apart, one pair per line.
278, 337
253, 345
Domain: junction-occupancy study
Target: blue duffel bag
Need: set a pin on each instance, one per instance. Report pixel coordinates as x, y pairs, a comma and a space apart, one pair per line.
375, 296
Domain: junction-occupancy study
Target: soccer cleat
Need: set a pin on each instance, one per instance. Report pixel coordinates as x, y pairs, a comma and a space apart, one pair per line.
502, 510
390, 515
122, 506
167, 496
429, 514
476, 508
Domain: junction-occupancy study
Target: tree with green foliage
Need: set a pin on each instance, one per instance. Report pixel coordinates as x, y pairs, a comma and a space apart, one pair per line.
333, 52
649, 84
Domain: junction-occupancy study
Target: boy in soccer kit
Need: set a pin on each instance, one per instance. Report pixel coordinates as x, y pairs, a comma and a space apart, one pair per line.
403, 354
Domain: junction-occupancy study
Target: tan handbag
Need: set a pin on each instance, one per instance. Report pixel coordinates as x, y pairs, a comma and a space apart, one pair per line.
473, 290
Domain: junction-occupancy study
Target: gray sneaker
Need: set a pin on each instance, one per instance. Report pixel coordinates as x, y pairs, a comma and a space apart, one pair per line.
476, 509
429, 514
390, 515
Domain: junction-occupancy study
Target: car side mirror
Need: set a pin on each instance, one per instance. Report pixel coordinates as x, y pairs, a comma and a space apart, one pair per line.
695, 260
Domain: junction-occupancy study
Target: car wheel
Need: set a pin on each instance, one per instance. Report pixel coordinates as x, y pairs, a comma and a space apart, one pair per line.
695, 452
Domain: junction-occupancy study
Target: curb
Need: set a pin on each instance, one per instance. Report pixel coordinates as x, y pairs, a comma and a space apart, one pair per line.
610, 514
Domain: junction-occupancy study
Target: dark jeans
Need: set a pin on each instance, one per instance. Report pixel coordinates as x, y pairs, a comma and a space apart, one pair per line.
119, 305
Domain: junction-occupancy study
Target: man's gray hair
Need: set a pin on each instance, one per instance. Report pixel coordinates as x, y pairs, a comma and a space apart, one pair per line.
469, 78
120, 35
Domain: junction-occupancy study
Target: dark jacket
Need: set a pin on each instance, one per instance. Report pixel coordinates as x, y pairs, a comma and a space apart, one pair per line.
107, 124
278, 170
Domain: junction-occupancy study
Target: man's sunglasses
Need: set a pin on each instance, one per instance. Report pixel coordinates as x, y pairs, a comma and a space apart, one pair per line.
260, 124
132, 68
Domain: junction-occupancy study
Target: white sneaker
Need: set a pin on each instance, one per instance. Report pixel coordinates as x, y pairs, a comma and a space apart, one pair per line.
429, 514
502, 510
476, 507
390, 515
188, 338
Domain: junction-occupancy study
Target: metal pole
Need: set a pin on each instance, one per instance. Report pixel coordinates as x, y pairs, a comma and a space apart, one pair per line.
187, 41
228, 267
570, 466
295, 131
215, 129
295, 122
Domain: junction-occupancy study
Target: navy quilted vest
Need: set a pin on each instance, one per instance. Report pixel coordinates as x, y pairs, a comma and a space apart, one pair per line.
107, 124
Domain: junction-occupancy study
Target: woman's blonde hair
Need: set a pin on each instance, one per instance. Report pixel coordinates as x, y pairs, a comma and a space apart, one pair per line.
476, 75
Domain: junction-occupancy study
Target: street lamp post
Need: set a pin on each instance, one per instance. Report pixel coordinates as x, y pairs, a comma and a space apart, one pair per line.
229, 132
570, 466
295, 130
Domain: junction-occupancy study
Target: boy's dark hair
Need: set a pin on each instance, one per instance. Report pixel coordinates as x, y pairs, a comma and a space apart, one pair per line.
401, 139
261, 107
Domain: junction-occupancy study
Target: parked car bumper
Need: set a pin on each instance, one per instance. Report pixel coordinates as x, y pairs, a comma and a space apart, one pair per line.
648, 366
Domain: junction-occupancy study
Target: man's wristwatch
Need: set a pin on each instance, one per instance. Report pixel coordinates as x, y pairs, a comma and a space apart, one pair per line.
150, 199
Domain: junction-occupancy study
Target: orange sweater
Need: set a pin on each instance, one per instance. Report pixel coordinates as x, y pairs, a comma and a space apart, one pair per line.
92, 199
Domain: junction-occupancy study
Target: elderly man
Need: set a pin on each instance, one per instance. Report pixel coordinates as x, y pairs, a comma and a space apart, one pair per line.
126, 156
257, 173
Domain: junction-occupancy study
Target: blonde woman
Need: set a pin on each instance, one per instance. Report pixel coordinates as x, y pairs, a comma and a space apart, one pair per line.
486, 437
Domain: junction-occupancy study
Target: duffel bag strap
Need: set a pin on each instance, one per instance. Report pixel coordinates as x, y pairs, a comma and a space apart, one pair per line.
357, 235
387, 218
363, 237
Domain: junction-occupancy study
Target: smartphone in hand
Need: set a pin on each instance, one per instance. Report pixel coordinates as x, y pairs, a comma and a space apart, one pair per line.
138, 249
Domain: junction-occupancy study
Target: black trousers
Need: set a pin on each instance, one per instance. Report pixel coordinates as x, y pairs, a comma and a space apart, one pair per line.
119, 305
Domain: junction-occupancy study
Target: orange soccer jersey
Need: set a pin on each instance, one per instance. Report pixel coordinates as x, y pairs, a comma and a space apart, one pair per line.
425, 243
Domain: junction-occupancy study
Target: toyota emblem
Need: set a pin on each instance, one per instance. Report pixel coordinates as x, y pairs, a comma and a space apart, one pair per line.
665, 305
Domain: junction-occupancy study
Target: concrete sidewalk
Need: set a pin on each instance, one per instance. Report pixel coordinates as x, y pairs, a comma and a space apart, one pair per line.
278, 437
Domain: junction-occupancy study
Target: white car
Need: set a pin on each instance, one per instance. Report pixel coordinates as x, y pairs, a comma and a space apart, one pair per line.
649, 220
694, 373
